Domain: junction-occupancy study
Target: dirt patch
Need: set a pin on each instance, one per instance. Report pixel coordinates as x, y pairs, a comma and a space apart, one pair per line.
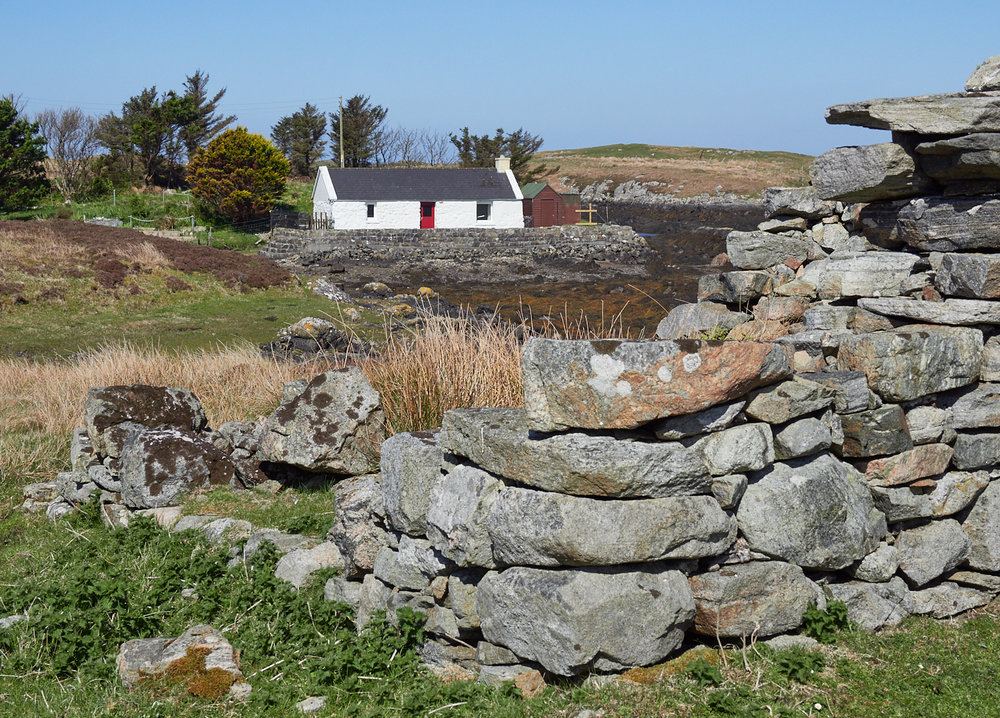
67, 248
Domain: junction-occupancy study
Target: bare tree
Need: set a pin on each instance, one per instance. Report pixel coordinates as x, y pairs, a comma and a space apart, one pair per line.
407, 147
436, 148
71, 136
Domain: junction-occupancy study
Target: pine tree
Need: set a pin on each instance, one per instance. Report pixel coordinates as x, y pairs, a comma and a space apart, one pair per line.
300, 138
22, 150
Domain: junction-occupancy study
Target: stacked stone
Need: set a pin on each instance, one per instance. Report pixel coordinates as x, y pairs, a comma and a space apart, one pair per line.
634, 500
145, 447
903, 306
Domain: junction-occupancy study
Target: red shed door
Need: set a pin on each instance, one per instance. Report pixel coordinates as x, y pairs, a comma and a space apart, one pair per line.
426, 215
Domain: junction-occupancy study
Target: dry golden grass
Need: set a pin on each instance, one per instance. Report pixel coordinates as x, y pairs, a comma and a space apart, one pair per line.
146, 255
448, 364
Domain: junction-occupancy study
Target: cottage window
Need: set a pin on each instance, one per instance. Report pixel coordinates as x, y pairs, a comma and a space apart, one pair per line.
371, 210
482, 211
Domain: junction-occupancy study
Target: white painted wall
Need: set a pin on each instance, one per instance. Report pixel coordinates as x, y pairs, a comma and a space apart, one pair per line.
352, 214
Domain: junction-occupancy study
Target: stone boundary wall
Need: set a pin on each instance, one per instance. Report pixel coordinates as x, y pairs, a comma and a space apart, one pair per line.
842, 444
600, 242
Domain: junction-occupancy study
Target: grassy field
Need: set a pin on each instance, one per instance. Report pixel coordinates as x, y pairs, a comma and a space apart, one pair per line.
680, 171
87, 588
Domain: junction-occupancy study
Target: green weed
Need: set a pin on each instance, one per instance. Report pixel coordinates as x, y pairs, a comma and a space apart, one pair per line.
825, 625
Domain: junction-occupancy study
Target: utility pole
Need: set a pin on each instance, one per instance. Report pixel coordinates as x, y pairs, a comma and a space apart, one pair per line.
340, 122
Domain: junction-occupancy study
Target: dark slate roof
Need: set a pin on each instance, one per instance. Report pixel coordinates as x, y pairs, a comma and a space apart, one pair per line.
421, 184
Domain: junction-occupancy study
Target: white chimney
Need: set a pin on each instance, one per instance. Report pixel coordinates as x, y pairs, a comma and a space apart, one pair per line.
503, 164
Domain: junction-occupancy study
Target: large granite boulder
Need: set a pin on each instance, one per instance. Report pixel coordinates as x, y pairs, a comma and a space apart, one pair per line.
914, 361
200, 655
411, 466
335, 425
874, 605
158, 466
982, 525
816, 513
929, 551
760, 250
113, 413
947, 114
540, 528
606, 384
864, 174
358, 523
986, 76
498, 441
570, 620
935, 224
456, 516
868, 274
760, 598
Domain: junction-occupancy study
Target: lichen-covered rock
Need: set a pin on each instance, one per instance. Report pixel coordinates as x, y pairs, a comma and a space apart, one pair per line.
456, 516
605, 384
976, 276
715, 418
75, 488
538, 528
568, 619
359, 522
335, 425
412, 566
342, 590
498, 441
975, 407
914, 361
738, 288
945, 114
691, 321
797, 201
908, 466
816, 513
982, 525
930, 550
151, 407
760, 598
201, 651
158, 466
928, 424
850, 389
951, 312
950, 494
411, 466
874, 605
877, 432
974, 451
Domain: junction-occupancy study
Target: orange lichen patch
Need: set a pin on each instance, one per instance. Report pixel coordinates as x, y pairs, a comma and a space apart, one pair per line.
655, 674
211, 684
189, 665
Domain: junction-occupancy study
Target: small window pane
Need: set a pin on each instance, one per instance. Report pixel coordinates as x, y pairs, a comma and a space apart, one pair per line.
427, 209
371, 211
482, 211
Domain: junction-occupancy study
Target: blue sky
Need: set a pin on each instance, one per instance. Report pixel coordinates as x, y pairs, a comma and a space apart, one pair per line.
746, 75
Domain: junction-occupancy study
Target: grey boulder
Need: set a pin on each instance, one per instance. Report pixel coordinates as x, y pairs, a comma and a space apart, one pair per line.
151, 407
951, 493
760, 250
935, 224
816, 513
986, 76
567, 620
760, 598
335, 425
952, 312
797, 201
537, 528
874, 605
867, 173
691, 321
928, 551
982, 525
946, 114
456, 516
411, 466
359, 522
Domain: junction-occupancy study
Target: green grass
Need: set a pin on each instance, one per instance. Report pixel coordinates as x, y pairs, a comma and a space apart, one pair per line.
203, 317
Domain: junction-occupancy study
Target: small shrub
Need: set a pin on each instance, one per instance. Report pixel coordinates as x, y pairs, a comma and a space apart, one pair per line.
799, 665
824, 625
704, 673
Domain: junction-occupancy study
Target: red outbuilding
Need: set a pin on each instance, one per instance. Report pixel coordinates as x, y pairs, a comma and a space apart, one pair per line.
544, 207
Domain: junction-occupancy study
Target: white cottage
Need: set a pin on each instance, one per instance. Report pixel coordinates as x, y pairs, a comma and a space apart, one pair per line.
419, 198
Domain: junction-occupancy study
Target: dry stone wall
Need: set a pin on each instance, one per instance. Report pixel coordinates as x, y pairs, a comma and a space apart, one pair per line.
842, 443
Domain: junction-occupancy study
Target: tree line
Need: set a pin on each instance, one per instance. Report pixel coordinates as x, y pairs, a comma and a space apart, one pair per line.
178, 138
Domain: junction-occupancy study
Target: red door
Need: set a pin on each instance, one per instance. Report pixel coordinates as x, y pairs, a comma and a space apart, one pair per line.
426, 215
